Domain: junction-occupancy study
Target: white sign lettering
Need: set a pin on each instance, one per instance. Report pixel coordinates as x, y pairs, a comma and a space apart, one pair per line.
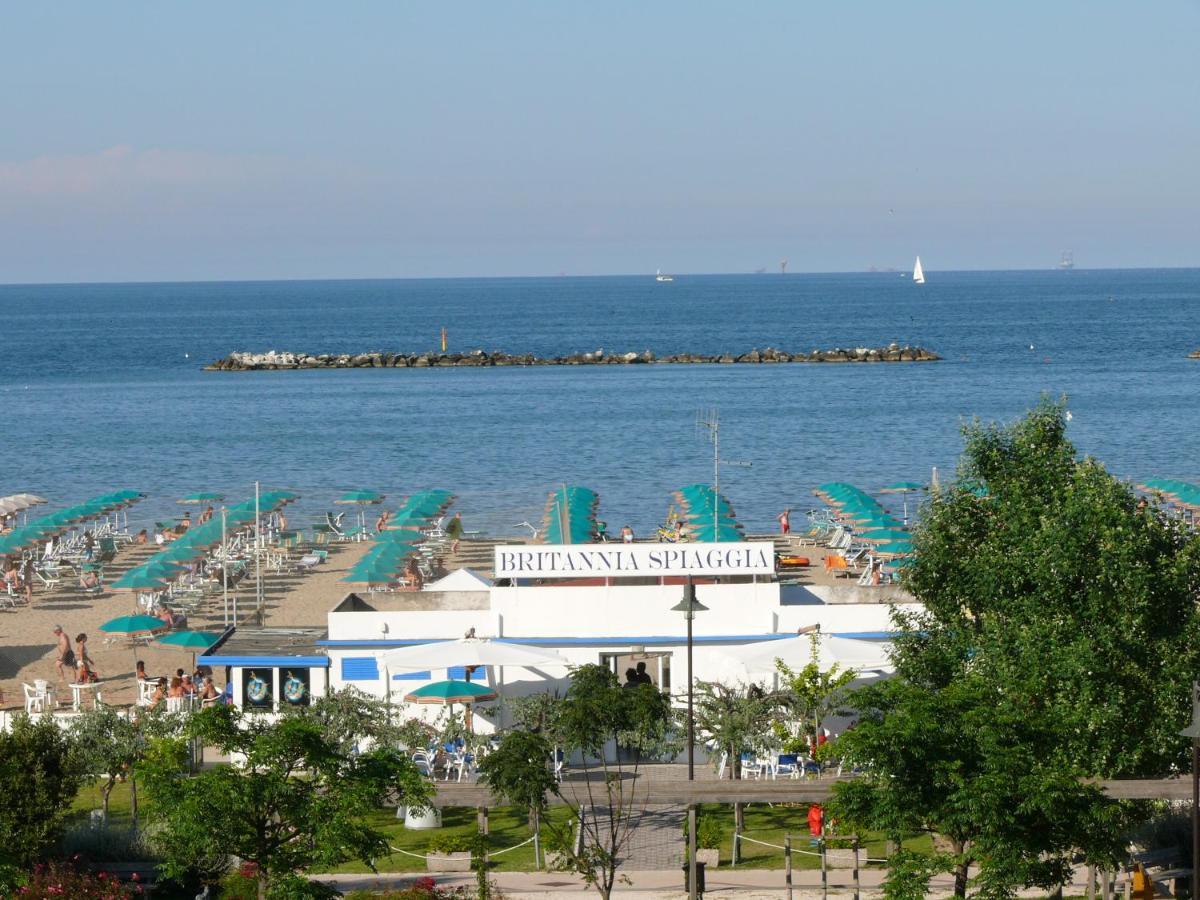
633, 560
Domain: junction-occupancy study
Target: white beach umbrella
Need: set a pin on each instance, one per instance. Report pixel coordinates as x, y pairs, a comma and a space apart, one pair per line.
27, 499
9, 506
849, 653
470, 652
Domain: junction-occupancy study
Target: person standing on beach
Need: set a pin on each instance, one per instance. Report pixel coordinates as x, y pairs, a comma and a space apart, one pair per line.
785, 521
66, 656
27, 576
626, 534
454, 531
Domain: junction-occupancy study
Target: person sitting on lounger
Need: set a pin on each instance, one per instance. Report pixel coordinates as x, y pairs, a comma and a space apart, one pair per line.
169, 618
141, 537
89, 580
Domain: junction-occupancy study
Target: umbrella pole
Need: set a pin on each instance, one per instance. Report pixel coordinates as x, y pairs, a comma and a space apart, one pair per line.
258, 595
224, 570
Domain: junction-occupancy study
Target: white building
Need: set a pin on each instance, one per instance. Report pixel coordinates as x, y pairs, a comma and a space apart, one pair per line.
601, 603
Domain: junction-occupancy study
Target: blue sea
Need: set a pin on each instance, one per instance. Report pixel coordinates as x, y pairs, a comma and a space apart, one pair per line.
101, 386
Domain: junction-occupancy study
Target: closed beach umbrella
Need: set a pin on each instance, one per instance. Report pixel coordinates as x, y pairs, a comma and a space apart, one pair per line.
451, 691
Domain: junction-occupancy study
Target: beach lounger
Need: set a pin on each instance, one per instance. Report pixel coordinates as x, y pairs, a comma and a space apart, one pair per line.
312, 559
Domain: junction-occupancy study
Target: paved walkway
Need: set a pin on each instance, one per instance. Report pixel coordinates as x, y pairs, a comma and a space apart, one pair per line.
657, 839
745, 884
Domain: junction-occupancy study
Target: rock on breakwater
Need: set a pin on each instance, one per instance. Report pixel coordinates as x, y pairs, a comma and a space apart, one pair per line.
283, 359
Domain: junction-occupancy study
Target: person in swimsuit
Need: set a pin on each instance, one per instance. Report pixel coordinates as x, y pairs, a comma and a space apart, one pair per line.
65, 660
785, 521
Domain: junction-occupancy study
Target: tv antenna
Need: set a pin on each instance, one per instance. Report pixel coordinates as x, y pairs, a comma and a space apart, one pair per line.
709, 420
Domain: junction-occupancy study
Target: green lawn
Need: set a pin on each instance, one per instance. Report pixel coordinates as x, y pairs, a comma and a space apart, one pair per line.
772, 824
506, 828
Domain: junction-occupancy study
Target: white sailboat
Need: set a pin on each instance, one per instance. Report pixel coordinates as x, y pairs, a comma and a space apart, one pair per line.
918, 275
659, 276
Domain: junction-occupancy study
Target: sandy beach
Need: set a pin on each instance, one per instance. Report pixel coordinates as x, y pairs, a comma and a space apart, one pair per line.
27, 642
291, 599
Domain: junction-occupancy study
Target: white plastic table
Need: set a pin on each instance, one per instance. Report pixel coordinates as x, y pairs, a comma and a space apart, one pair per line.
77, 693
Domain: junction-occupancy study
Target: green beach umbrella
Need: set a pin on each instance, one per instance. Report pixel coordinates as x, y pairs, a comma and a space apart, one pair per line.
132, 625
451, 691
195, 641
202, 498
883, 535
140, 582
360, 497
189, 640
895, 548
903, 487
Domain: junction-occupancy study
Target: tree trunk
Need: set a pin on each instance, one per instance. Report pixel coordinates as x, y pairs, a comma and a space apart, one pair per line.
262, 885
960, 868
107, 790
133, 806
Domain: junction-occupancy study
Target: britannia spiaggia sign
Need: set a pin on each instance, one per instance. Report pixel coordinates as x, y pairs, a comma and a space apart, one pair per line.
633, 560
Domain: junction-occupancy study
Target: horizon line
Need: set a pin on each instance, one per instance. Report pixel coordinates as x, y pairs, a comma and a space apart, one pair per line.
764, 274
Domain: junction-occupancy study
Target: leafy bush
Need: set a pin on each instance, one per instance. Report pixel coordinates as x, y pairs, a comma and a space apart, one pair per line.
106, 843
423, 889
448, 842
60, 880
709, 832
239, 886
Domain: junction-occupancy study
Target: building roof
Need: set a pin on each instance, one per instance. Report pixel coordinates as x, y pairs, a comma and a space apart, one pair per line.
268, 647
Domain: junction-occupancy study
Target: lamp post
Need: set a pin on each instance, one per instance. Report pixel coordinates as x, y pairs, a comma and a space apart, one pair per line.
1193, 732
689, 606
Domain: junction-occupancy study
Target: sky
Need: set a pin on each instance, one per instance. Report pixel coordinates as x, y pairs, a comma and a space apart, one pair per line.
230, 140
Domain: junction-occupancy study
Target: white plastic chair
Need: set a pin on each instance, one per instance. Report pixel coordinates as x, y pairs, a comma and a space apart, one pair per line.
36, 699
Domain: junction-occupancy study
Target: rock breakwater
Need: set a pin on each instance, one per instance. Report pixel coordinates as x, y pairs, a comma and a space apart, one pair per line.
273, 360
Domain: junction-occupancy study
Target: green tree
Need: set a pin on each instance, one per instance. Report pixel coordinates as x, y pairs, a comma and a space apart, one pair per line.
735, 718
611, 729
38, 781
1058, 641
520, 770
298, 795
106, 744
809, 695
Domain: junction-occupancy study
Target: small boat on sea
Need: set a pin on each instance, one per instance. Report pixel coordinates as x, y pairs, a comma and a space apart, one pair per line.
659, 276
918, 274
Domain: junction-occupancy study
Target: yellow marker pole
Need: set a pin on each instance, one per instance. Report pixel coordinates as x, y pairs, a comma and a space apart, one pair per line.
443, 340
